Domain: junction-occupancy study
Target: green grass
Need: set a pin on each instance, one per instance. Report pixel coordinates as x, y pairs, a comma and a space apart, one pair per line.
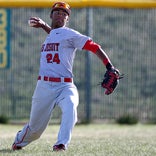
87, 140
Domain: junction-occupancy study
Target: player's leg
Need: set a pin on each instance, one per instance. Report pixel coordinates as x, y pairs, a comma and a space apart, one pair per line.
40, 114
68, 105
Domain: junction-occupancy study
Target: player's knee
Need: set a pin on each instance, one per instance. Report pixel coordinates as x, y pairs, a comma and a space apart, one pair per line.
35, 135
72, 112
69, 109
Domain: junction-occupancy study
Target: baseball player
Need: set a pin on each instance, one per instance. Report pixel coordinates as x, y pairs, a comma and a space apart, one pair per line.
55, 85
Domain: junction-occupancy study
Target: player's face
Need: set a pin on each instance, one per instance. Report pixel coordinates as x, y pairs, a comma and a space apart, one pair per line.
59, 18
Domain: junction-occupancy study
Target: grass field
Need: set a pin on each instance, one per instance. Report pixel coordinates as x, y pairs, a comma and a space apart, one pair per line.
87, 140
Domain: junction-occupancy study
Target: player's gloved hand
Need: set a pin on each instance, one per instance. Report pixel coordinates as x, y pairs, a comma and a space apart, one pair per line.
111, 80
37, 22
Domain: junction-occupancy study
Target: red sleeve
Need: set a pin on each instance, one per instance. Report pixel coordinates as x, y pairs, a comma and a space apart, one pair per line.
91, 46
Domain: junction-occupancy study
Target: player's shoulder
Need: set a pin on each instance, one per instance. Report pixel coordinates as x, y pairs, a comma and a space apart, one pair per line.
70, 31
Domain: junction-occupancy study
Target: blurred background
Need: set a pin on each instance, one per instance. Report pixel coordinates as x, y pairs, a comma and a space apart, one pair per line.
126, 34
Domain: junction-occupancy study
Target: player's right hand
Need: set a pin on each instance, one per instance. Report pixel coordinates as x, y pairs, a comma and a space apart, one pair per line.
36, 22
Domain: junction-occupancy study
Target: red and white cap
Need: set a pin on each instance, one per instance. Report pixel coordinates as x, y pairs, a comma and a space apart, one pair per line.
61, 5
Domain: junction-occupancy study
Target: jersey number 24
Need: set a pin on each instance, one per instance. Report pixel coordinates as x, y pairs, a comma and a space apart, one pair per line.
53, 58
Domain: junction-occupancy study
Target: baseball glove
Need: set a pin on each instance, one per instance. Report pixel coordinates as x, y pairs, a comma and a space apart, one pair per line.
111, 80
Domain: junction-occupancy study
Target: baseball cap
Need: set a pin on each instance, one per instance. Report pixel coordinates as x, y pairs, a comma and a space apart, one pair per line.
63, 6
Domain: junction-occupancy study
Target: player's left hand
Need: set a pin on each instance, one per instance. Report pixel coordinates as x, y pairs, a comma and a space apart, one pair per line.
37, 22
111, 80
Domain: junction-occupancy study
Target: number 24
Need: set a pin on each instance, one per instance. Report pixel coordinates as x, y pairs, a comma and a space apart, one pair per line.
51, 59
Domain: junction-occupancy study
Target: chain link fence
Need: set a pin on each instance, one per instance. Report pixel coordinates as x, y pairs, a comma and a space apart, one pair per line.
127, 36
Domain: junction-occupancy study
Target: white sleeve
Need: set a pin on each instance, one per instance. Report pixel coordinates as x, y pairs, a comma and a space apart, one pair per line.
79, 40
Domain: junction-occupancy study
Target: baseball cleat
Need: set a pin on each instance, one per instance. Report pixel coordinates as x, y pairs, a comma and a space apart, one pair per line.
59, 147
15, 147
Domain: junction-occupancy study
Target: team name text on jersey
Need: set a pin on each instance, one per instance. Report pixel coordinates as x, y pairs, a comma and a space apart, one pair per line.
50, 47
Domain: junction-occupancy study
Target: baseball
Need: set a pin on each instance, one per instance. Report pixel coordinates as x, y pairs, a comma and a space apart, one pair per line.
31, 23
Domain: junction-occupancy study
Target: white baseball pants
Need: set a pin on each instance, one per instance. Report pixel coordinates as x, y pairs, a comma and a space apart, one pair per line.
46, 96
